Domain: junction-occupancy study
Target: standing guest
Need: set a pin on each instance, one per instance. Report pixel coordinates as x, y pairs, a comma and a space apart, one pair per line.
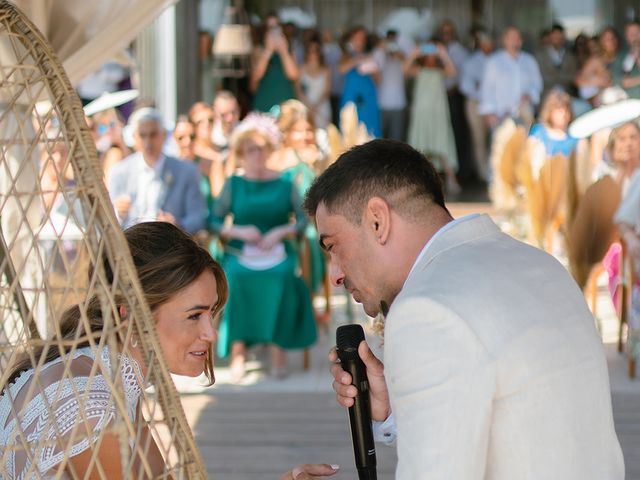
269, 302
627, 218
448, 35
149, 185
581, 49
360, 77
314, 85
391, 90
429, 126
610, 43
479, 380
553, 129
332, 54
470, 85
511, 83
226, 115
205, 56
557, 63
595, 74
626, 68
274, 69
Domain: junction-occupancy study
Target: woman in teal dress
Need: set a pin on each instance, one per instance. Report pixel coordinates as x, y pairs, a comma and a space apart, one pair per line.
268, 301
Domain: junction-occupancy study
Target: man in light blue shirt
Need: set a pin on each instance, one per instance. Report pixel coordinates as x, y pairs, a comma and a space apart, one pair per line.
470, 85
511, 83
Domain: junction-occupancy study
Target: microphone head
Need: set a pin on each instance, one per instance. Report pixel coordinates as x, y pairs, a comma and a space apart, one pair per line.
349, 337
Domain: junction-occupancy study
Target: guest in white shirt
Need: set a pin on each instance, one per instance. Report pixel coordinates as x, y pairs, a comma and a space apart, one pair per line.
470, 86
392, 96
511, 83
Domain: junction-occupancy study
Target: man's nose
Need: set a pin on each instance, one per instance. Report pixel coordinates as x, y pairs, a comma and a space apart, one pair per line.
336, 275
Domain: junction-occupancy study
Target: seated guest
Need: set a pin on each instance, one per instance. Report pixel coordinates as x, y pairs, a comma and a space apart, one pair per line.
184, 136
149, 185
552, 130
298, 145
110, 144
201, 115
226, 115
299, 159
269, 302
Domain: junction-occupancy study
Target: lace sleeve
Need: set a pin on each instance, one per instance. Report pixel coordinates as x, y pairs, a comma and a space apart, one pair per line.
65, 416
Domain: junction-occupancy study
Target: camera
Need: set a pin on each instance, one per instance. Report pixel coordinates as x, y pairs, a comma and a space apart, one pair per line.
428, 49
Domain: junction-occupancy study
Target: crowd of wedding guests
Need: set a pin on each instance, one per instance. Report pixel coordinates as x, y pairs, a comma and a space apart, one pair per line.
234, 171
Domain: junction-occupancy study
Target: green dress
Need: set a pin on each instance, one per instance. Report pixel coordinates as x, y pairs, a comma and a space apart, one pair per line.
274, 87
271, 305
302, 176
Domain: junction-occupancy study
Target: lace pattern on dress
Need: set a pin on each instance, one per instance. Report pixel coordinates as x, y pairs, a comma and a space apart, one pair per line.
61, 396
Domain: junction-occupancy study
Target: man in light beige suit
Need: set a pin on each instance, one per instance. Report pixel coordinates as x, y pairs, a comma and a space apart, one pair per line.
493, 366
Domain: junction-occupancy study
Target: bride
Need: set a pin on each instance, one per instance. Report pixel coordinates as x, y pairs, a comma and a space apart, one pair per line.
60, 422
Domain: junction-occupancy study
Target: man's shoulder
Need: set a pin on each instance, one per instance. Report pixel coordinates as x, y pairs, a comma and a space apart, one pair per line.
125, 166
179, 166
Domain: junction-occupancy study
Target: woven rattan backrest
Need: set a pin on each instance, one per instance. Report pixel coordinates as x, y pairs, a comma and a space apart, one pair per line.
57, 225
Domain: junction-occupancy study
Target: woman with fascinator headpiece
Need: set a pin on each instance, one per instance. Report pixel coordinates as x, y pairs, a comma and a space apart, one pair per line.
269, 302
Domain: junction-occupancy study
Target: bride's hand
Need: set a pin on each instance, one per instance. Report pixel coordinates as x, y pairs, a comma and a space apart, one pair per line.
311, 472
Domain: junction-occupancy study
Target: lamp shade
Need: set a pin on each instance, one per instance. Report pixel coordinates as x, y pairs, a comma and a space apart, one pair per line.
232, 39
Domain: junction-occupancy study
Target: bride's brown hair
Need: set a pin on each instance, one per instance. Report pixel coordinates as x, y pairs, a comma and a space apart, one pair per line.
167, 260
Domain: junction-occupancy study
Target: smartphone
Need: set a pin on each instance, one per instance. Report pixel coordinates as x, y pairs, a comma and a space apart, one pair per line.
428, 49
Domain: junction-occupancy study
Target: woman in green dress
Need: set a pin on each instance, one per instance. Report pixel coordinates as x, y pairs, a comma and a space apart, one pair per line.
274, 71
268, 301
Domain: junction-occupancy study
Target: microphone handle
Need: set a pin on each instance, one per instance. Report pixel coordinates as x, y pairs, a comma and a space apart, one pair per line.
360, 420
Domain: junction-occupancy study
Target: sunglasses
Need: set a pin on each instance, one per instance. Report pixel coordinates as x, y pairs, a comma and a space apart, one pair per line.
182, 137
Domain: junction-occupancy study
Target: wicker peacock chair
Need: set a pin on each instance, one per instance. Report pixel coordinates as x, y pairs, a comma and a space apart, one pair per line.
56, 226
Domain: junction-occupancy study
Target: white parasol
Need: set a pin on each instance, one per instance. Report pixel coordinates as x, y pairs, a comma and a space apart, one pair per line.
110, 100
607, 116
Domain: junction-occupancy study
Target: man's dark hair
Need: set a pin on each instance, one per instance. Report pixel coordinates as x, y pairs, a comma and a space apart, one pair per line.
557, 27
392, 170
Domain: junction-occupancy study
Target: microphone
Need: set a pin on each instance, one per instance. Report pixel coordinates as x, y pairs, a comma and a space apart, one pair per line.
348, 337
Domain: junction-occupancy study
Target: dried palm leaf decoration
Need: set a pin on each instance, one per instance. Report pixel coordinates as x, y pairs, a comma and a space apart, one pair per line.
56, 227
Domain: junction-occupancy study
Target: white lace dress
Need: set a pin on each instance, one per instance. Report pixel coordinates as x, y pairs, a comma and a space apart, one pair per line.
70, 431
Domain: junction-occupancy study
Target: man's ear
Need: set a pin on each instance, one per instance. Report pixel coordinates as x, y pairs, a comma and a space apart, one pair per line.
377, 219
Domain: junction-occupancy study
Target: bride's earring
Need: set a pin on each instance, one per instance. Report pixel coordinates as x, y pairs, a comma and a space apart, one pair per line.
134, 342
